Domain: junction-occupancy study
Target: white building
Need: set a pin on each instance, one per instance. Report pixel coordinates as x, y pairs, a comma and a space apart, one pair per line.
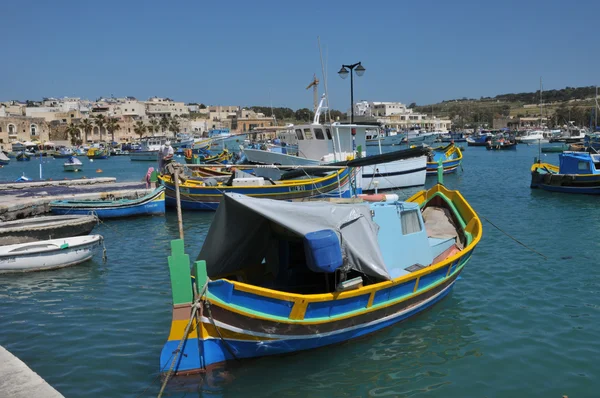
398, 115
159, 107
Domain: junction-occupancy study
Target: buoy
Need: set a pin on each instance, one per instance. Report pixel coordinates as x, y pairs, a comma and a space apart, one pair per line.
91, 160
98, 170
381, 197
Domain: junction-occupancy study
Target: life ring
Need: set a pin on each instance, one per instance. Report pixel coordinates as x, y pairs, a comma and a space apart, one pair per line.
380, 197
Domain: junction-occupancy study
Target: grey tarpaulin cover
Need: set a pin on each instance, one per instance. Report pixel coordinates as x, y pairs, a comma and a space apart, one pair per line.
240, 233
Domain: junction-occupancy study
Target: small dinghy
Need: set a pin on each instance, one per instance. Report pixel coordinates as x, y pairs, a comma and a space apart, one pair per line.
4, 160
23, 157
153, 203
48, 254
47, 227
73, 164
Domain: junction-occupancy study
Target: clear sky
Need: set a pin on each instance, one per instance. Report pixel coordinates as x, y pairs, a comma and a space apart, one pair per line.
230, 52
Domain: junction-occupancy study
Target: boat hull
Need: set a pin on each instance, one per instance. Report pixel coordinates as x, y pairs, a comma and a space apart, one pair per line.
50, 254
208, 198
72, 167
398, 174
144, 156
153, 204
47, 227
566, 183
504, 147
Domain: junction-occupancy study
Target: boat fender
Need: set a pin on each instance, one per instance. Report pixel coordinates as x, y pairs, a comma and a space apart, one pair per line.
379, 197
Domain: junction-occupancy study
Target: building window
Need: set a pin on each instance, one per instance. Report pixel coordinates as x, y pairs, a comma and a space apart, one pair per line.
33, 129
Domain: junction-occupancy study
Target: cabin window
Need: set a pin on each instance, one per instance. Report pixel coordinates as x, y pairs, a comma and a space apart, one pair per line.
299, 134
410, 222
583, 166
308, 134
319, 134
328, 132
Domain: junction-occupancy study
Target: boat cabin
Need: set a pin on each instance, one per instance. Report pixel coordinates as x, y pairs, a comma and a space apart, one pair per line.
579, 163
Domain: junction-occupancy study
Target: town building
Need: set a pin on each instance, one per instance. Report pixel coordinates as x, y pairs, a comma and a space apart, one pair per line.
22, 128
397, 115
247, 120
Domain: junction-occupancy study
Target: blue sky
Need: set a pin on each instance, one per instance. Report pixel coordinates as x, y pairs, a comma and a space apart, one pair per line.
262, 52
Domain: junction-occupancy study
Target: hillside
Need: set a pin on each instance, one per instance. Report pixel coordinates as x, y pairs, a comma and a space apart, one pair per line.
574, 104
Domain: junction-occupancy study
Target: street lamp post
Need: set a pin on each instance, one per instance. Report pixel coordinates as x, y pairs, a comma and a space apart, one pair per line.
360, 70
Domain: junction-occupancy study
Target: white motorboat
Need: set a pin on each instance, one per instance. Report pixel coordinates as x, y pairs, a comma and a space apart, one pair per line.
332, 143
48, 254
532, 137
149, 147
73, 164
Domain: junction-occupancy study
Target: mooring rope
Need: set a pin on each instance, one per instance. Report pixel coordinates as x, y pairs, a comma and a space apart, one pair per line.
513, 238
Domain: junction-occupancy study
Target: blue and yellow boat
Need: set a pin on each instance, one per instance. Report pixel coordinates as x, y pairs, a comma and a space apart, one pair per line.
151, 204
451, 158
206, 158
273, 277
578, 172
205, 194
98, 153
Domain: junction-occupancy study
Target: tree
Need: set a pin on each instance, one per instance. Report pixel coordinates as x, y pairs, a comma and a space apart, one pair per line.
86, 125
73, 132
112, 125
412, 105
153, 126
174, 126
164, 123
202, 106
304, 115
139, 128
100, 122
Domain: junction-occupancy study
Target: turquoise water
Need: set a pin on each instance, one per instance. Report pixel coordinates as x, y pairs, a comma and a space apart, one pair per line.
516, 324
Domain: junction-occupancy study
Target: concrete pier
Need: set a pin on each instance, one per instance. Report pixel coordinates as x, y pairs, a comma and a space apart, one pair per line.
17, 380
21, 200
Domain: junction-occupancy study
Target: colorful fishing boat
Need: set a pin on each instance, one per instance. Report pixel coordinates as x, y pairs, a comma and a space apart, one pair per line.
23, 157
151, 204
273, 277
501, 144
98, 153
479, 140
450, 156
63, 153
211, 172
198, 158
205, 194
577, 173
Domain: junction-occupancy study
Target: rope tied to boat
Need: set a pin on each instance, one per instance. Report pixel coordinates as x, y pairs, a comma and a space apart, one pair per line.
195, 307
515, 239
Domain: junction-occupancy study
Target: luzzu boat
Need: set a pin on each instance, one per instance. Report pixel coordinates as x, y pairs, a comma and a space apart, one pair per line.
194, 158
98, 153
273, 277
151, 204
450, 155
577, 173
203, 194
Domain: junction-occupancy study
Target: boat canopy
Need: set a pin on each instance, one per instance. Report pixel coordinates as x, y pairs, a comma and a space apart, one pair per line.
578, 163
246, 231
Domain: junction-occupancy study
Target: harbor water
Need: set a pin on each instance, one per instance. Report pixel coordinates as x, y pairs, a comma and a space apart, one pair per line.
517, 324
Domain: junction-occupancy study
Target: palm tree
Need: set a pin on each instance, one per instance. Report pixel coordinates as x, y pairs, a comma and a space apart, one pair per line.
153, 127
139, 128
164, 123
86, 126
73, 132
100, 122
174, 126
112, 125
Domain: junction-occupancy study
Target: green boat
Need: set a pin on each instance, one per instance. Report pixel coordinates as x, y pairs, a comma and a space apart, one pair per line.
555, 148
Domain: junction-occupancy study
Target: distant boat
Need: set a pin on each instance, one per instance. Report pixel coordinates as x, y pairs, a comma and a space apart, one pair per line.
23, 157
501, 144
73, 164
479, 140
149, 147
98, 153
192, 158
63, 152
48, 254
577, 173
556, 148
151, 204
450, 156
46, 227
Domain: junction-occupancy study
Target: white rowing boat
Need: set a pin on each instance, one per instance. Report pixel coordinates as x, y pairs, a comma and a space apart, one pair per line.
48, 254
